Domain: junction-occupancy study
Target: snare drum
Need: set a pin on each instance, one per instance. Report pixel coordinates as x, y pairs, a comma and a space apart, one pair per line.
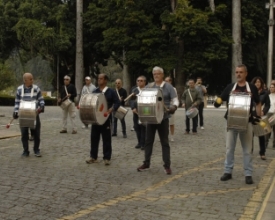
27, 114
150, 106
121, 112
258, 130
92, 108
238, 111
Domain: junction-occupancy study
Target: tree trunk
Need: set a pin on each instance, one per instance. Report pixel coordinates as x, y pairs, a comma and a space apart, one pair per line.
212, 5
180, 76
125, 74
236, 35
79, 69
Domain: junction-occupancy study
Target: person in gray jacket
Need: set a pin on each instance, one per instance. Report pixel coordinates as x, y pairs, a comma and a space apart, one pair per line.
191, 98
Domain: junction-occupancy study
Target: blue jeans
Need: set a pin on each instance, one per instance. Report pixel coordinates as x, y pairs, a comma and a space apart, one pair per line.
246, 142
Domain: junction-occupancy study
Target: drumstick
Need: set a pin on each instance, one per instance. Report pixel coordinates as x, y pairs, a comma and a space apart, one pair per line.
129, 97
9, 124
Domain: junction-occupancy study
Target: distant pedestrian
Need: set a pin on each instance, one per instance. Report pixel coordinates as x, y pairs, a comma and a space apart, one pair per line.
172, 118
202, 90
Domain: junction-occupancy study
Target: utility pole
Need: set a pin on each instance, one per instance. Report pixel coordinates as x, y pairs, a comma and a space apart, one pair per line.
270, 5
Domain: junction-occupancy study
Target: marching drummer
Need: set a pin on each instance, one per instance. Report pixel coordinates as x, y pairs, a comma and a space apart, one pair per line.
139, 128
88, 88
105, 129
169, 95
122, 94
191, 98
29, 92
245, 137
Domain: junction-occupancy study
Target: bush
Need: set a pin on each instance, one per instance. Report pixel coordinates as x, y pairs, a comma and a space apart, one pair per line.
6, 100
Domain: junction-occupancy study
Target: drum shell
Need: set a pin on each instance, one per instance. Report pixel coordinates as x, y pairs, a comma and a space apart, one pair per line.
271, 120
150, 106
192, 112
27, 114
238, 111
92, 108
258, 130
121, 112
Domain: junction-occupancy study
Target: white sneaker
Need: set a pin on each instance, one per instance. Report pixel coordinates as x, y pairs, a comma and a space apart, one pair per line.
202, 127
172, 139
132, 129
84, 127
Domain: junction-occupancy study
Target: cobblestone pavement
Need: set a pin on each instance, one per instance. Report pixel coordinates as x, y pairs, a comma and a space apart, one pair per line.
60, 185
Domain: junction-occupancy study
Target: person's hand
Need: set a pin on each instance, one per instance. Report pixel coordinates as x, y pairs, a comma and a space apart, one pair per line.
59, 100
183, 105
262, 113
40, 109
172, 109
218, 102
194, 104
256, 119
135, 111
69, 95
15, 115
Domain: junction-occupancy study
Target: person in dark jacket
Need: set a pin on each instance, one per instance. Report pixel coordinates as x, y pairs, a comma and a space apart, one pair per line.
265, 101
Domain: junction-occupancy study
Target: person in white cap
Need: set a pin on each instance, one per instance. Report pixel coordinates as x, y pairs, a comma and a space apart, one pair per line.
88, 88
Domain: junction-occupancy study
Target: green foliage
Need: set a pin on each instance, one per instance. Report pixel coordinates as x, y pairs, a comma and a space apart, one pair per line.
6, 76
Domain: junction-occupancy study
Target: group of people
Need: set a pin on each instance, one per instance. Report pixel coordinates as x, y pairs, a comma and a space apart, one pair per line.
192, 97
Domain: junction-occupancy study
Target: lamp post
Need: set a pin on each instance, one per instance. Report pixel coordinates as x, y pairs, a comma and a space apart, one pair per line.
270, 5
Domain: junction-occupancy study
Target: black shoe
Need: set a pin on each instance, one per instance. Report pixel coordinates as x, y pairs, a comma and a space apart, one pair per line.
31, 138
248, 180
37, 154
25, 154
137, 146
142, 148
114, 135
226, 176
124, 135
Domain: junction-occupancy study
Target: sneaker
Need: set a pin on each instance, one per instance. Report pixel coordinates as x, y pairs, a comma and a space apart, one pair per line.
202, 127
113, 135
37, 154
143, 167
142, 148
194, 133
74, 132
172, 139
107, 162
248, 180
31, 138
137, 146
226, 176
132, 129
63, 131
124, 135
85, 126
91, 160
25, 153
168, 170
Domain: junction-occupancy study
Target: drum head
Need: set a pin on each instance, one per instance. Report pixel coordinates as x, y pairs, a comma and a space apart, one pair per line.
92, 108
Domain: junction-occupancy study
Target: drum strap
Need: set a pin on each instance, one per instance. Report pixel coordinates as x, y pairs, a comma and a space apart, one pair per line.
247, 87
190, 96
117, 93
104, 90
66, 90
22, 94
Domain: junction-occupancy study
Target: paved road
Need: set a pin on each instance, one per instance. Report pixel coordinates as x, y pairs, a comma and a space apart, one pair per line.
60, 185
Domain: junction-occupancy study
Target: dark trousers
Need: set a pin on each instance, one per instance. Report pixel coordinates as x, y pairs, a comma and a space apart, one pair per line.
36, 135
163, 131
140, 130
262, 145
201, 106
105, 131
123, 125
194, 122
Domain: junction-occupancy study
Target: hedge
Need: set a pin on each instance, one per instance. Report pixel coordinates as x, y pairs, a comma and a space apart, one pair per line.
6, 100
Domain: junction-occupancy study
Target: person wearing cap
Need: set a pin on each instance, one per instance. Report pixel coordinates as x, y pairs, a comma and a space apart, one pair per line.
88, 88
122, 94
171, 102
68, 91
29, 92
